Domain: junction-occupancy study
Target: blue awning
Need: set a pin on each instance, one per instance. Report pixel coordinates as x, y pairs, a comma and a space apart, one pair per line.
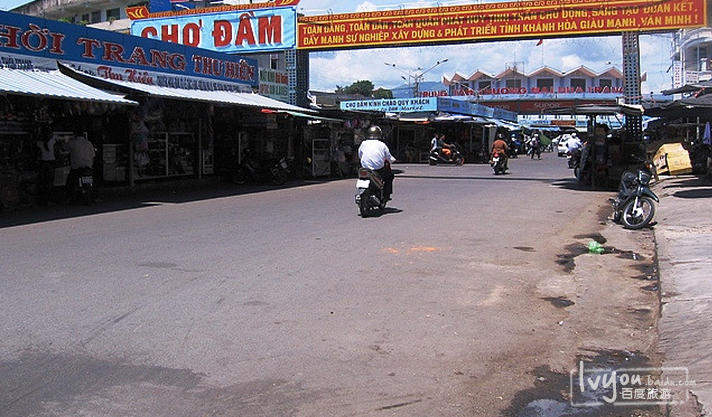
53, 84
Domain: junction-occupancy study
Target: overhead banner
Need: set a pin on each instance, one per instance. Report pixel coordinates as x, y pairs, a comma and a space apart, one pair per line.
489, 21
32, 43
399, 105
263, 30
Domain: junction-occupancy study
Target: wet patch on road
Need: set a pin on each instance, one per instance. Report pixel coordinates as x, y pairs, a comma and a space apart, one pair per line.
560, 395
41, 383
594, 236
559, 302
567, 260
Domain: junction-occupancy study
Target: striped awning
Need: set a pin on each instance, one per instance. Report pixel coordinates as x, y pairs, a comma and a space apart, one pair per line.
53, 84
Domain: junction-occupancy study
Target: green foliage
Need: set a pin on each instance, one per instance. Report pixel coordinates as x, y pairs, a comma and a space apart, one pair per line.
364, 88
383, 93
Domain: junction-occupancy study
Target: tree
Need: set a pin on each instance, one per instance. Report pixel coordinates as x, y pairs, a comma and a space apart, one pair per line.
383, 93
363, 87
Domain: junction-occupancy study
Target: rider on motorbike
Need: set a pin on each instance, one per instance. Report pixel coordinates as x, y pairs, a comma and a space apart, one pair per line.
375, 155
500, 146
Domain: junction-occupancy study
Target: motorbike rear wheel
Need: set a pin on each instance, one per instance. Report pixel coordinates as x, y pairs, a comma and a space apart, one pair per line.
636, 216
363, 205
241, 176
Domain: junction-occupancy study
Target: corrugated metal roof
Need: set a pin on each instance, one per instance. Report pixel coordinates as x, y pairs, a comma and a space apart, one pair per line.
53, 84
222, 97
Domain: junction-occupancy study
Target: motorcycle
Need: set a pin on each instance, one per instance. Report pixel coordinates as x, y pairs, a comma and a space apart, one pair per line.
370, 195
274, 171
498, 163
582, 164
635, 204
455, 157
84, 185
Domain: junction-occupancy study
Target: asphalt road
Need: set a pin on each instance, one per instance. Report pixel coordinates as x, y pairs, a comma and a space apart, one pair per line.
285, 302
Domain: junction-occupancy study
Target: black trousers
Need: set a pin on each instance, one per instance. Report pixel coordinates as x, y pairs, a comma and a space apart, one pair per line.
387, 176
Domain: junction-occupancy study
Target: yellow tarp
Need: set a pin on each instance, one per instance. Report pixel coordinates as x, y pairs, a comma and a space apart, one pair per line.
672, 159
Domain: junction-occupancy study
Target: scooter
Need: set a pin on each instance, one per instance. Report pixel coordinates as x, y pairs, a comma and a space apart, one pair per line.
635, 204
498, 163
370, 194
274, 171
83, 187
455, 157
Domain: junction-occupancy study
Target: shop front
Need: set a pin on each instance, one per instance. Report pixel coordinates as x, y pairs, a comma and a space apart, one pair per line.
147, 106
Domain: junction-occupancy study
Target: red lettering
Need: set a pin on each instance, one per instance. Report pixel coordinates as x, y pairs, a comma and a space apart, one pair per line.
169, 33
112, 52
244, 31
270, 30
89, 45
222, 32
176, 62
138, 57
149, 32
159, 58
10, 36
57, 39
191, 34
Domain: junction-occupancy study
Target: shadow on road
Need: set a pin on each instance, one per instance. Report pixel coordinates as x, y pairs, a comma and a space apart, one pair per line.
144, 195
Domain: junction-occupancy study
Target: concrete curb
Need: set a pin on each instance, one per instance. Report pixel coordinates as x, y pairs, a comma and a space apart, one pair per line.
684, 244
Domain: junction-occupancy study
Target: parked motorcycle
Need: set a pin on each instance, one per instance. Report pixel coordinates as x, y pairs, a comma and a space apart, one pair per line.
83, 186
582, 164
498, 163
370, 195
455, 157
274, 171
635, 204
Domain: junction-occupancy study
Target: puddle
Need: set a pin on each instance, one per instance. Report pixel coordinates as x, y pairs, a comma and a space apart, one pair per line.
559, 302
594, 236
525, 248
567, 260
560, 395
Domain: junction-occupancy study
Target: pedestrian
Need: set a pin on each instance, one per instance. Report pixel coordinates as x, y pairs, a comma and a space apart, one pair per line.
47, 161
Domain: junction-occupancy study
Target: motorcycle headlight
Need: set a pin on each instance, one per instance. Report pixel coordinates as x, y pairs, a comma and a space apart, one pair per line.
644, 178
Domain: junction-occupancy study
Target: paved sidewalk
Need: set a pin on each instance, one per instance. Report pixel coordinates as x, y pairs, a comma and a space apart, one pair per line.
684, 239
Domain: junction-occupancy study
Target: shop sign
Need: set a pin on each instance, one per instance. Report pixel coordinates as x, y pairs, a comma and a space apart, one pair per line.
116, 56
274, 84
450, 105
499, 21
240, 31
400, 105
677, 74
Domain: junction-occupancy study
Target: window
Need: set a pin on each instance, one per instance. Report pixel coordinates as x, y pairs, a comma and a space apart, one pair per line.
578, 83
514, 83
85, 18
274, 62
95, 17
547, 83
113, 14
605, 82
484, 85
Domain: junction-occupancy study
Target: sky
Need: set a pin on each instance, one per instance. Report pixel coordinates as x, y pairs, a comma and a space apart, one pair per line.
343, 68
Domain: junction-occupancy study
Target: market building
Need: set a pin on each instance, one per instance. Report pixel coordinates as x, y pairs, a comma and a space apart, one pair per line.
152, 109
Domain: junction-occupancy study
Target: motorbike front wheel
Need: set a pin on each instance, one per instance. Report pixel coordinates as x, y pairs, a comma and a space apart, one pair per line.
459, 160
636, 216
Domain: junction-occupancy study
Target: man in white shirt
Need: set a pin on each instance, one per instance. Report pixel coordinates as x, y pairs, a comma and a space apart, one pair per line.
81, 152
376, 156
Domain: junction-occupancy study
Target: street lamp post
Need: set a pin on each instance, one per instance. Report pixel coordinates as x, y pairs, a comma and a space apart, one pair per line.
416, 75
